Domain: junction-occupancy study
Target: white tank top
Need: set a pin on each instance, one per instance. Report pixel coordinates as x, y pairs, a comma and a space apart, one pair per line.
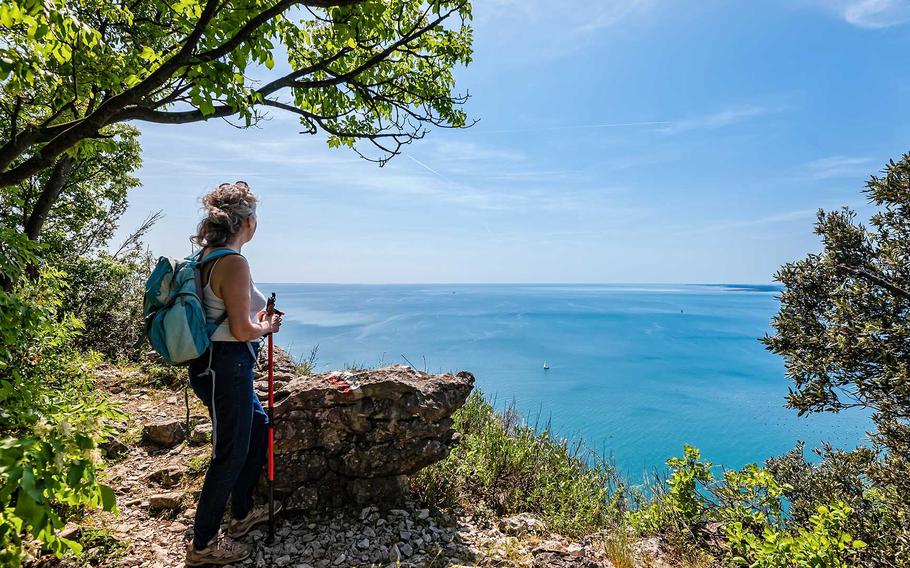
214, 307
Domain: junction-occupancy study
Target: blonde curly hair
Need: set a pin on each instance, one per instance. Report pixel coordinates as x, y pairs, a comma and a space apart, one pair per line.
226, 208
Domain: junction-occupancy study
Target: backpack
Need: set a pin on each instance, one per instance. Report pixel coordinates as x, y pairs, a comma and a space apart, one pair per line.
173, 308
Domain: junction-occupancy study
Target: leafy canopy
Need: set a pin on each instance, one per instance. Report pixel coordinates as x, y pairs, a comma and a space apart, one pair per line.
379, 71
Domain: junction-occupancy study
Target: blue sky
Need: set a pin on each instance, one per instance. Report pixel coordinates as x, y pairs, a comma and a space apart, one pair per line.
619, 141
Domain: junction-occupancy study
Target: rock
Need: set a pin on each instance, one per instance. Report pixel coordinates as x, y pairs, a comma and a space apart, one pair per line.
165, 501
353, 437
653, 552
167, 476
553, 560
523, 523
167, 433
114, 448
406, 549
201, 434
70, 532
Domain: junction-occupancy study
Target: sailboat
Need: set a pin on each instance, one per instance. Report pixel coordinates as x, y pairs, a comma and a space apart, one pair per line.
546, 365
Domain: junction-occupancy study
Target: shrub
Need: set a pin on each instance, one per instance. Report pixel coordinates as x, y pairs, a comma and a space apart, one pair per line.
503, 465
106, 295
746, 508
51, 418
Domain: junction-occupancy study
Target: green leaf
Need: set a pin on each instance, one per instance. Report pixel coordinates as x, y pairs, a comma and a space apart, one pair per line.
108, 499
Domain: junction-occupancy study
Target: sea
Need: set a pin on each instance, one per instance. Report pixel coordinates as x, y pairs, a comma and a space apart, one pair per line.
635, 371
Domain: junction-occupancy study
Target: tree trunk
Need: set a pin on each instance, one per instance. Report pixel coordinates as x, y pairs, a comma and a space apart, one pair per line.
49, 195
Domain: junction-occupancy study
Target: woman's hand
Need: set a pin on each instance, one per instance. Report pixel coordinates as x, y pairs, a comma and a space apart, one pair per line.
274, 323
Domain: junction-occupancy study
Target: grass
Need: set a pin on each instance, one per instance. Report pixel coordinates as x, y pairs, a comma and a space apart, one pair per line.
100, 547
307, 365
504, 465
197, 465
617, 546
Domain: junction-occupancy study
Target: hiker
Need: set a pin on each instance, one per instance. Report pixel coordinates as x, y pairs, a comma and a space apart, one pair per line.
223, 378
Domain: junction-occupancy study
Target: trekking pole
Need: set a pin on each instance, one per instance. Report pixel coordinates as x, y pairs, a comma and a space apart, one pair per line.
269, 310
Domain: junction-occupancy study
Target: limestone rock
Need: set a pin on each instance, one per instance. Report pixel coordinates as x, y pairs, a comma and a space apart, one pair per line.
165, 501
166, 476
523, 523
201, 434
353, 437
166, 433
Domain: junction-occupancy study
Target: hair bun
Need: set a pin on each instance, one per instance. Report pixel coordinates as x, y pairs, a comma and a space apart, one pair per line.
226, 208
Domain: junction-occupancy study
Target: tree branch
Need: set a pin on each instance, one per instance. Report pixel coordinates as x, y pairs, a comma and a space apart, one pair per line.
877, 280
49, 195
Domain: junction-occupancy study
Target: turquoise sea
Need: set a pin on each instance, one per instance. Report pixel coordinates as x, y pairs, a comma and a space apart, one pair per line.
636, 371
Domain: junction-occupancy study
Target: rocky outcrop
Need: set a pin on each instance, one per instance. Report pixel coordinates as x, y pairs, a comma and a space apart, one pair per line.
164, 433
354, 437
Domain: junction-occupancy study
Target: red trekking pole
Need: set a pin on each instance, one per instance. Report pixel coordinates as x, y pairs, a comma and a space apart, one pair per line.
269, 310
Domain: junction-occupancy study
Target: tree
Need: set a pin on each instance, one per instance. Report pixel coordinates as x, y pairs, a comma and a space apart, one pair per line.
82, 212
844, 332
372, 71
843, 325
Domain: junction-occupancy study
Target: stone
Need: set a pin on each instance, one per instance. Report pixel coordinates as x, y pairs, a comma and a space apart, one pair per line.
201, 434
165, 433
166, 476
406, 549
353, 438
114, 448
165, 501
523, 523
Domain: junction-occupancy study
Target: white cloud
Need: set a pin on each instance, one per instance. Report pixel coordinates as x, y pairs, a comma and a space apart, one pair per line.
869, 13
720, 119
528, 27
838, 166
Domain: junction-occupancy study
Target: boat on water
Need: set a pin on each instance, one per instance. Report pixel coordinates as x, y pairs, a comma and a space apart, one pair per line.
546, 365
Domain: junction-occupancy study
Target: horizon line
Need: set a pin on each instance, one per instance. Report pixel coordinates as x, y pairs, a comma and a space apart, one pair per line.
528, 283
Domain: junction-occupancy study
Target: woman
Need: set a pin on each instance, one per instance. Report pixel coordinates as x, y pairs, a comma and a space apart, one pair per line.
223, 378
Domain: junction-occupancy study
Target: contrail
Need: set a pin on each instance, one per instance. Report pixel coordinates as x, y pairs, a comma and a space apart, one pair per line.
426, 167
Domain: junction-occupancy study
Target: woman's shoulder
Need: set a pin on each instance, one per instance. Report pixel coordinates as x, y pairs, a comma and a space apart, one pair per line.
230, 267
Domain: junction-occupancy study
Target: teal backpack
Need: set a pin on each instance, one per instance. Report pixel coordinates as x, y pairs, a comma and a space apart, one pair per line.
175, 322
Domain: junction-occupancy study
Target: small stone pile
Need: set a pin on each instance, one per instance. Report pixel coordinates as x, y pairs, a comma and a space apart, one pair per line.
353, 437
372, 537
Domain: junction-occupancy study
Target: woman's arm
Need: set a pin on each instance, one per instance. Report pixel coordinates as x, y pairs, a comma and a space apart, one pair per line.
234, 289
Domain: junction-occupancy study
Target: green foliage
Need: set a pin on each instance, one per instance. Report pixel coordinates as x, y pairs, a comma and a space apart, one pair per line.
307, 365
741, 518
376, 70
823, 545
505, 466
878, 513
51, 418
679, 505
101, 547
843, 331
89, 203
106, 295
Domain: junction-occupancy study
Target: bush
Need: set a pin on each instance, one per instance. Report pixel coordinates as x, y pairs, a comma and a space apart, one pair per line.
876, 512
746, 509
502, 465
842, 330
106, 295
51, 418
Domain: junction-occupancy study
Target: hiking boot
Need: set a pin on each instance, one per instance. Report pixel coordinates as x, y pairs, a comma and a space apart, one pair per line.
218, 552
238, 528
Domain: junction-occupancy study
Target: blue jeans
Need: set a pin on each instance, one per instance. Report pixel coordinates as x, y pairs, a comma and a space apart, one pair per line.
239, 435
